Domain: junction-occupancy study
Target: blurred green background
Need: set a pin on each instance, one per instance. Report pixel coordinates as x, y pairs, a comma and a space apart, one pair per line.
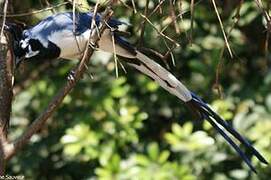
128, 127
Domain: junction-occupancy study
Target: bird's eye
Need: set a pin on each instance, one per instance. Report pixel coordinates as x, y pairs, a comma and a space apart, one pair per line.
25, 33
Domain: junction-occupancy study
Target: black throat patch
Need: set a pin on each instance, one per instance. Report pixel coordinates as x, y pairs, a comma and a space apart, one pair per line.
50, 52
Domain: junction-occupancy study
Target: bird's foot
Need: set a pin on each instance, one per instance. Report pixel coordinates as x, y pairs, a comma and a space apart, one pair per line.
93, 45
71, 76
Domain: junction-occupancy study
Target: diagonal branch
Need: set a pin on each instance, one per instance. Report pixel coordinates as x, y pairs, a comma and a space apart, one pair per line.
6, 76
5, 96
57, 100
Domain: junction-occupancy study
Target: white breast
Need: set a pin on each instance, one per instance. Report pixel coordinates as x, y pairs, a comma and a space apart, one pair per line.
71, 46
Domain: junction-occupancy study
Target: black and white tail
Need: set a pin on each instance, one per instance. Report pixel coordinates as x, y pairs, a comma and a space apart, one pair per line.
215, 120
169, 82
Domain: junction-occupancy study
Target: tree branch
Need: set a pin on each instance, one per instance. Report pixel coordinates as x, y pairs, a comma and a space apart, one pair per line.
57, 100
5, 96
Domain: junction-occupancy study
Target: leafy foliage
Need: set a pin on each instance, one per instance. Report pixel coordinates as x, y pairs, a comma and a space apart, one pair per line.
128, 127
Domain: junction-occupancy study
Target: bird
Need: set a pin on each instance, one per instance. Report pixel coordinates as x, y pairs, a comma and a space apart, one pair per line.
61, 36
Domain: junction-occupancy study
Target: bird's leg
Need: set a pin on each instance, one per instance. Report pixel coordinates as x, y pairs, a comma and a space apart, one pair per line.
93, 45
71, 76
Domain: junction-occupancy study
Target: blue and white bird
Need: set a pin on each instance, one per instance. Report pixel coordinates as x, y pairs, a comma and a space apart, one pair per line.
57, 37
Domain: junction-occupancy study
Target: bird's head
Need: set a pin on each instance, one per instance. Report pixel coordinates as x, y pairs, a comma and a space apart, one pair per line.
23, 46
16, 30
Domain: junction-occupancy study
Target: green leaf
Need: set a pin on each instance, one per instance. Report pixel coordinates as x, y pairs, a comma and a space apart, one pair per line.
153, 151
72, 149
163, 157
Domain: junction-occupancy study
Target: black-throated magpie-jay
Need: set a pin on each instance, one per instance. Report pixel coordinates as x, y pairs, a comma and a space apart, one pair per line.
58, 36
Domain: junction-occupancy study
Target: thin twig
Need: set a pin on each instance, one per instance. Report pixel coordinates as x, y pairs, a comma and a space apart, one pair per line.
160, 33
180, 15
88, 73
4, 18
74, 25
220, 63
134, 6
170, 52
146, 18
173, 17
155, 9
49, 5
116, 60
114, 51
142, 25
267, 38
160, 8
172, 20
35, 12
222, 28
191, 21
115, 55
181, 12
264, 12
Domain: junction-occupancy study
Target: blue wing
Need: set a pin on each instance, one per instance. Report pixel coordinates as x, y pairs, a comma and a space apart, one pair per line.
64, 21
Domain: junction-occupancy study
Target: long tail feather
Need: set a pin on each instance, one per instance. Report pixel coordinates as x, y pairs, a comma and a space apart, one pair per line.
208, 114
231, 142
169, 82
229, 128
158, 73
